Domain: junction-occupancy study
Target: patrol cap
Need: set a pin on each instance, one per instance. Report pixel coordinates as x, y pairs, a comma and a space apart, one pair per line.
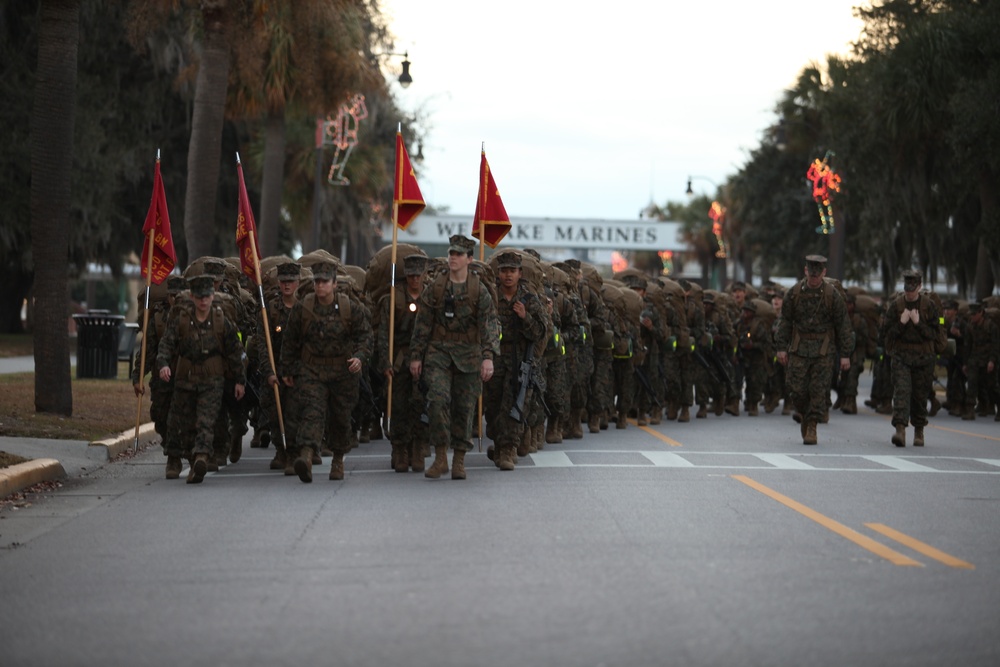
750, 306
459, 243
635, 282
414, 265
975, 307
949, 304
289, 271
815, 264
739, 285
324, 271
708, 298
215, 267
176, 284
912, 279
201, 286
508, 260
573, 263
534, 253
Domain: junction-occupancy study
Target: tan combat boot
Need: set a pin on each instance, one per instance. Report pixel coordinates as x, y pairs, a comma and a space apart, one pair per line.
622, 421
303, 465
751, 408
199, 466
505, 458
702, 412
458, 464
899, 437
553, 431
278, 462
641, 420
576, 424
289, 464
236, 447
539, 442
594, 423
337, 466
685, 415
850, 406
416, 457
174, 467
918, 436
810, 436
671, 410
655, 416
440, 465
400, 458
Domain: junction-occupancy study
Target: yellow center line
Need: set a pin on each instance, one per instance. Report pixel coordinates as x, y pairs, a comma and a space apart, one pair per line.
955, 430
920, 547
669, 441
862, 541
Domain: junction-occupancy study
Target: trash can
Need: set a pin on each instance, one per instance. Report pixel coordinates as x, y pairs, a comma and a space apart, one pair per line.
97, 336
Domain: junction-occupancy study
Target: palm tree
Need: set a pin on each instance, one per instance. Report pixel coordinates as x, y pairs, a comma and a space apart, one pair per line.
52, 127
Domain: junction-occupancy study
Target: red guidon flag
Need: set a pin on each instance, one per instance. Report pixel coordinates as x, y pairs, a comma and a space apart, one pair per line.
246, 230
490, 212
158, 224
406, 197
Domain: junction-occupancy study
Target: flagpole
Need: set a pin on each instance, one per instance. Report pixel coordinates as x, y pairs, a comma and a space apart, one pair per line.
267, 325
392, 318
145, 324
482, 258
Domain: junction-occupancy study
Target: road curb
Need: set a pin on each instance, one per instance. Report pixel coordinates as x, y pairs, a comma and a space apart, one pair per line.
109, 448
23, 475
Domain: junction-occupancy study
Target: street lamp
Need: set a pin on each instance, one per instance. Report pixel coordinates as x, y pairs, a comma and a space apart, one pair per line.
404, 78
690, 191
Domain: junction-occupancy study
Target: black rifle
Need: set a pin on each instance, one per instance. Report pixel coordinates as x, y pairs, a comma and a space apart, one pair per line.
524, 373
714, 356
644, 383
704, 364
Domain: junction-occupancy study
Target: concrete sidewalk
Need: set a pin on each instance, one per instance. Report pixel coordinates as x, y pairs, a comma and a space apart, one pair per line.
59, 459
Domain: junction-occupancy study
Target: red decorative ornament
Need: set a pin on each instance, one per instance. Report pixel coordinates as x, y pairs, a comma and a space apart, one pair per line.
825, 182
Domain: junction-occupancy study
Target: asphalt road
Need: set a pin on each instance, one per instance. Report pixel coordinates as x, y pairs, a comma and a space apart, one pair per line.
718, 542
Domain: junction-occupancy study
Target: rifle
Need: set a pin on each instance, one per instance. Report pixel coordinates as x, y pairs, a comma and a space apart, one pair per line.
524, 373
723, 371
644, 383
704, 364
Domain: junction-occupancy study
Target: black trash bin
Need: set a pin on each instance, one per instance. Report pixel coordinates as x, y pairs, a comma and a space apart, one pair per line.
97, 336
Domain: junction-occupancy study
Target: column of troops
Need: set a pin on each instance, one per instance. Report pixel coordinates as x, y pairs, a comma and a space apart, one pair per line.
536, 351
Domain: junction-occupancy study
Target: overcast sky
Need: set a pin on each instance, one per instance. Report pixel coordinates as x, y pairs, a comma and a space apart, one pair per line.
592, 110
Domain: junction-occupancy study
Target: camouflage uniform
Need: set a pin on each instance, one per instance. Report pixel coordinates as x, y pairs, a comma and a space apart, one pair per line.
451, 338
719, 327
863, 345
579, 342
559, 365
597, 358
814, 330
911, 345
687, 366
757, 350
980, 364
407, 434
277, 320
520, 339
318, 346
205, 352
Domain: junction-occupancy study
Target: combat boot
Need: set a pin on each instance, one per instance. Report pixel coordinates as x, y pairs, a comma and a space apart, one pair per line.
935, 407
786, 409
622, 422
337, 466
671, 410
655, 416
440, 465
641, 419
969, 414
575, 424
539, 442
702, 412
290, 459
594, 423
810, 437
918, 436
255, 440
685, 415
303, 465
236, 447
416, 457
173, 467
458, 464
265, 440
719, 406
400, 458
839, 403
899, 437
770, 403
751, 408
733, 407
850, 406
523, 442
199, 466
553, 432
505, 458
317, 459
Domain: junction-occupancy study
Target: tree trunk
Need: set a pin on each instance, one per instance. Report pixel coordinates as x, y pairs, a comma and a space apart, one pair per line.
272, 183
52, 120
990, 212
205, 145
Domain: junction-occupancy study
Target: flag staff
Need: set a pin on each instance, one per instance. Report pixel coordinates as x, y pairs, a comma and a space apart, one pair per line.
482, 258
392, 286
260, 291
145, 323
